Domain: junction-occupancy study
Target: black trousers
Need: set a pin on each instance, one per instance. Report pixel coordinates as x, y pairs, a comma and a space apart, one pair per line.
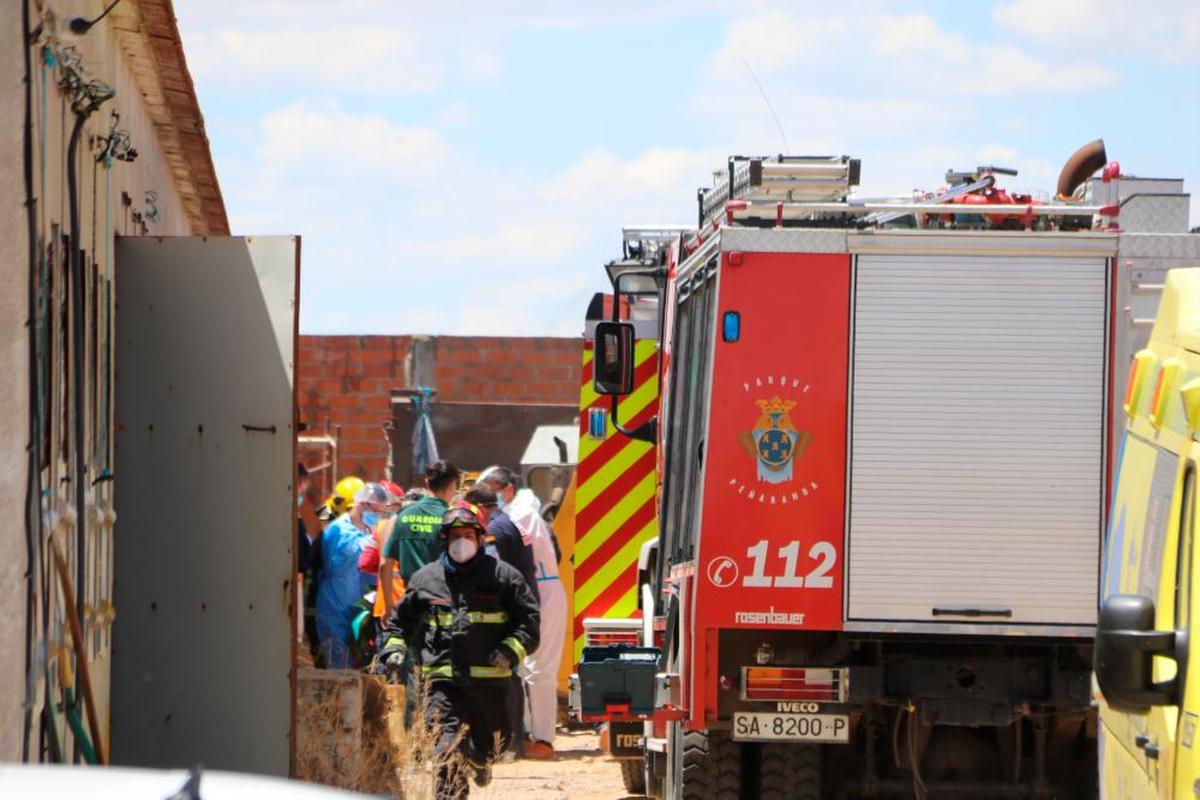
472, 720
516, 714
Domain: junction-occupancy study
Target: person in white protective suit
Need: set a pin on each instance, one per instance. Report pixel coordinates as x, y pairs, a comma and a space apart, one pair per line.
542, 685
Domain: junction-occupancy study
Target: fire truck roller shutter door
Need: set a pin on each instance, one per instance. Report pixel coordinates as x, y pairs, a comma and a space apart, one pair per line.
977, 439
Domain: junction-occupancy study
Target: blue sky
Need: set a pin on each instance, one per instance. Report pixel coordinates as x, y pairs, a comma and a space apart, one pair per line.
465, 168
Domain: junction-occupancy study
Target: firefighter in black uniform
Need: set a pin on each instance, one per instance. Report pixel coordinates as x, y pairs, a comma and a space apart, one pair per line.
468, 620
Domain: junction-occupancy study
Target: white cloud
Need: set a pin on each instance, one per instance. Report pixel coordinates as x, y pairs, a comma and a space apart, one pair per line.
453, 115
919, 33
1164, 30
344, 146
903, 91
773, 41
890, 55
480, 65
434, 241
381, 47
601, 179
546, 243
345, 58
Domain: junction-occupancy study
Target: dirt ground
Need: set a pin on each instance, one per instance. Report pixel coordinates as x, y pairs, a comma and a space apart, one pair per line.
581, 772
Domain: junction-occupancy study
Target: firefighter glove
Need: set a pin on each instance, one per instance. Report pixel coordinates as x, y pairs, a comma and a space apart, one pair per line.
501, 660
394, 653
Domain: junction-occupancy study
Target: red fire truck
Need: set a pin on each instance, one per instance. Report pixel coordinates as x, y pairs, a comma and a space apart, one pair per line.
885, 439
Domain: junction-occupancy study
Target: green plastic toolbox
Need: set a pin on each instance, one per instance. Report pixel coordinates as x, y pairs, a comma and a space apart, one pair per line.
617, 681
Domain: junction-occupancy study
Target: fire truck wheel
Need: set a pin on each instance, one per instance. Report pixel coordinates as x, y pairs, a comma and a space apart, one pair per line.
711, 766
789, 772
634, 775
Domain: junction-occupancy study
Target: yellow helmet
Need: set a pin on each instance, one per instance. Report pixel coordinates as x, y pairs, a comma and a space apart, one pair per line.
343, 493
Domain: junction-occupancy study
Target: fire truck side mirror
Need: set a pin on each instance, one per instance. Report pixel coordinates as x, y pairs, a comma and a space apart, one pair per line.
612, 362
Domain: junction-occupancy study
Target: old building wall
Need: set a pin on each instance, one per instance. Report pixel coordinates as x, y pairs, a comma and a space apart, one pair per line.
165, 190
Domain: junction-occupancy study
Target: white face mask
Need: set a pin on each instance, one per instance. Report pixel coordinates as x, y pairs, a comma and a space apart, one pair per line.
463, 550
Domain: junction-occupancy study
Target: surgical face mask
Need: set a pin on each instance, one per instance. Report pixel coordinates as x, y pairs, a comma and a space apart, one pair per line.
500, 504
463, 550
370, 518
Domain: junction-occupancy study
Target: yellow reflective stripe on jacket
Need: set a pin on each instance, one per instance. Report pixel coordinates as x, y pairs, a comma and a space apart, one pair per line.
490, 672
447, 671
512, 644
445, 619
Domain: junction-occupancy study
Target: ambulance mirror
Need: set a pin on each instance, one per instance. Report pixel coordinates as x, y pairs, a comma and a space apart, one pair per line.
612, 362
1126, 643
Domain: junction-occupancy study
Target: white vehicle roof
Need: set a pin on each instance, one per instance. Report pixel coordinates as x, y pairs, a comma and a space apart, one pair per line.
542, 450
49, 782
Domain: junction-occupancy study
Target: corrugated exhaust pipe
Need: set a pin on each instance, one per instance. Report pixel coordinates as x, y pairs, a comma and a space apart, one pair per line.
1082, 163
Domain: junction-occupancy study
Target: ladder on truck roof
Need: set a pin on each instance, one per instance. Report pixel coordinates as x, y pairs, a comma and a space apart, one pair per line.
809, 179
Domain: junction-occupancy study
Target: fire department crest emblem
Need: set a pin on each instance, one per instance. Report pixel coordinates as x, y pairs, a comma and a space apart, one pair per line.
774, 442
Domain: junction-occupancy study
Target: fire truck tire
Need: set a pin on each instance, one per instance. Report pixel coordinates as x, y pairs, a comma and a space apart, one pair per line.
790, 772
634, 775
711, 766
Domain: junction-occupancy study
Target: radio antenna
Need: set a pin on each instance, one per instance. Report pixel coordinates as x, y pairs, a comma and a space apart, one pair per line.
770, 108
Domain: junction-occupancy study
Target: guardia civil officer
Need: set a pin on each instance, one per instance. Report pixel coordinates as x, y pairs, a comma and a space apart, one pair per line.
468, 620
413, 541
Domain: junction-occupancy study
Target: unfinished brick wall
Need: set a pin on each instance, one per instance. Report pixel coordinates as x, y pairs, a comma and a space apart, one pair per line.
508, 369
348, 380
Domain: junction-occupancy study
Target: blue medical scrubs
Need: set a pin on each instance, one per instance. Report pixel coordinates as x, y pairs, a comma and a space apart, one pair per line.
341, 587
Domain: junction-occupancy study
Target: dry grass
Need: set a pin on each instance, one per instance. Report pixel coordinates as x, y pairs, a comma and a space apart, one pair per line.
351, 735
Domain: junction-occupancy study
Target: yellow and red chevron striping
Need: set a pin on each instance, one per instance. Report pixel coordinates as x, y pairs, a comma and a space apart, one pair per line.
629, 528
610, 495
635, 409
616, 507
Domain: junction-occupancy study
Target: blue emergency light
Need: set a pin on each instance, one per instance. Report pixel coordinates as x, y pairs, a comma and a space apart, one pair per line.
731, 326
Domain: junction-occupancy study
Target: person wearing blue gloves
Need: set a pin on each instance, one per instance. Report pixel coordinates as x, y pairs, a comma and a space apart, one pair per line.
342, 584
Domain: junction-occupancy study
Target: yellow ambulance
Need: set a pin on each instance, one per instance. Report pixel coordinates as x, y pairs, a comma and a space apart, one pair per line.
1147, 650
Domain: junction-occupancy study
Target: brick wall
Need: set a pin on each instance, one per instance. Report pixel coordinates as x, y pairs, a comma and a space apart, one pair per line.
348, 380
